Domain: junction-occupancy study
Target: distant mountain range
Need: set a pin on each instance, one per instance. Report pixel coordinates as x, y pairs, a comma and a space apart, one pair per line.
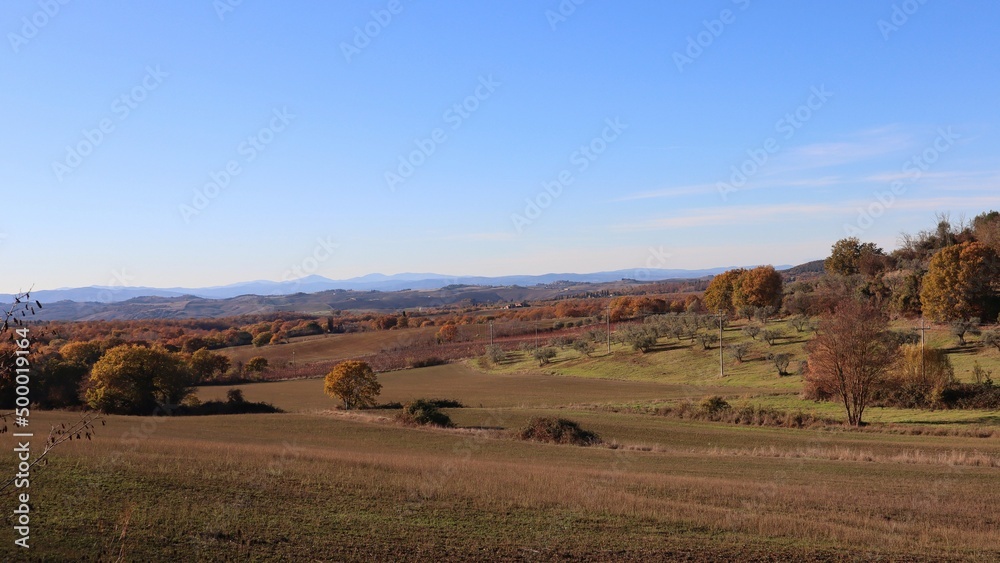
370, 282
319, 295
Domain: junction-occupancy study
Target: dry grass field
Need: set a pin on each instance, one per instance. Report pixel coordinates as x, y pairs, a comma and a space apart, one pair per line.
319, 484
329, 486
327, 347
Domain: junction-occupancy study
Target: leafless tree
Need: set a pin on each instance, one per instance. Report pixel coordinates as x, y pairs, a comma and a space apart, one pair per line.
851, 355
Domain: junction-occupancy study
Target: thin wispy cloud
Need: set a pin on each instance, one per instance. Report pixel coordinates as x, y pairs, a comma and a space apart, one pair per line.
727, 215
670, 192
756, 214
486, 236
796, 167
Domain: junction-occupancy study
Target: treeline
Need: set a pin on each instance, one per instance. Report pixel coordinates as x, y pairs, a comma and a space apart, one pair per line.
946, 274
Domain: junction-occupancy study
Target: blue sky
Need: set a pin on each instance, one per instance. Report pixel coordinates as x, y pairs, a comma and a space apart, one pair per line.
253, 140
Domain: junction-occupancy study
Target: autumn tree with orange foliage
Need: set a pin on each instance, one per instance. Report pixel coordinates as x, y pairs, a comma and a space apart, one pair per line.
719, 295
758, 288
961, 283
447, 333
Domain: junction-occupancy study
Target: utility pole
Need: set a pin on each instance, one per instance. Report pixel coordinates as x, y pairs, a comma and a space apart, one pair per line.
491, 333
609, 327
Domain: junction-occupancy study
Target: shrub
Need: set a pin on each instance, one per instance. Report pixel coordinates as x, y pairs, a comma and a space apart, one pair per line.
262, 339
427, 362
713, 405
225, 407
764, 313
800, 323
495, 353
963, 327
971, 396
560, 341
256, 364
981, 375
446, 403
716, 409
918, 379
557, 431
707, 339
424, 412
642, 339
544, 355
771, 336
780, 362
906, 337
991, 338
596, 335
235, 396
739, 351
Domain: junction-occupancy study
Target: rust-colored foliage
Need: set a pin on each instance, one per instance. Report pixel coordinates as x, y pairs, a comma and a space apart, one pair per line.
851, 356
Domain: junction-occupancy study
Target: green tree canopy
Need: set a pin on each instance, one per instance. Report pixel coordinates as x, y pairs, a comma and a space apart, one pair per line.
848, 254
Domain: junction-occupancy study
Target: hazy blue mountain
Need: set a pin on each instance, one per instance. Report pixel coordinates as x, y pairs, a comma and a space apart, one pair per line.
370, 282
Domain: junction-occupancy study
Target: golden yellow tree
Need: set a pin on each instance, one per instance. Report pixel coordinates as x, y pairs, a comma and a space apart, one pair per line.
719, 294
131, 379
353, 382
960, 283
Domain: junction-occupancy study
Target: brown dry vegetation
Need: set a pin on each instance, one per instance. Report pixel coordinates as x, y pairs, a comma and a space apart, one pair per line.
320, 485
320, 488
